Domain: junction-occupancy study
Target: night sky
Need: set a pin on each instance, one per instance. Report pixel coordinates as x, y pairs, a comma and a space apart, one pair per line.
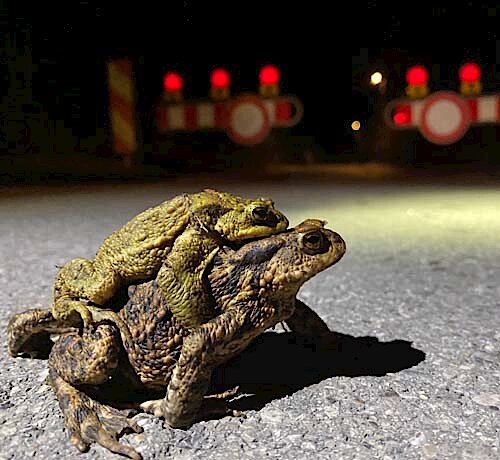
324, 56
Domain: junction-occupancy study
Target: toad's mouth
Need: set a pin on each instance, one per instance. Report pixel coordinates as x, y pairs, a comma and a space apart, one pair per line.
235, 245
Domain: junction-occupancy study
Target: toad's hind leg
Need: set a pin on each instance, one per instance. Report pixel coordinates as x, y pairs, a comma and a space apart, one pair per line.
95, 281
88, 421
89, 359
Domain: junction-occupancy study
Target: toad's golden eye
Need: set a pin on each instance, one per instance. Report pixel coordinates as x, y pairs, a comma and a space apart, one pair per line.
315, 243
313, 240
260, 213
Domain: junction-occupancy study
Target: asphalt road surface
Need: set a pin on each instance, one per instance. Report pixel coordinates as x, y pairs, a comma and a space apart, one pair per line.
417, 293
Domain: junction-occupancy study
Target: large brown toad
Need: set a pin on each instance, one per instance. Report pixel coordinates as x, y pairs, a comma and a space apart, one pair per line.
253, 289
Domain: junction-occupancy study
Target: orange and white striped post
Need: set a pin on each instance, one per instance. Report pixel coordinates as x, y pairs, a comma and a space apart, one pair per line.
122, 108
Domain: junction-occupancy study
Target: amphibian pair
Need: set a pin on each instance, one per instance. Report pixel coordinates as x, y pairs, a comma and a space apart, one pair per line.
249, 289
172, 242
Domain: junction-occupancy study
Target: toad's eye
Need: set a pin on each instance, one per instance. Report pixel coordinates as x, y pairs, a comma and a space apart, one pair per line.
315, 243
260, 213
313, 240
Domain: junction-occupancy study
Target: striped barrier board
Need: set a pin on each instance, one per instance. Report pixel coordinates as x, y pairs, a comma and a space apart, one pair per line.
122, 106
444, 116
247, 119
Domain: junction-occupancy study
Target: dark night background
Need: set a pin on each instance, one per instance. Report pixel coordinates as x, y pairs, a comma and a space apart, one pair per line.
325, 52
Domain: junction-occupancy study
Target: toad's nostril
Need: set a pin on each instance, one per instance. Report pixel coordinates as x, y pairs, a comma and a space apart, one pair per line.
338, 240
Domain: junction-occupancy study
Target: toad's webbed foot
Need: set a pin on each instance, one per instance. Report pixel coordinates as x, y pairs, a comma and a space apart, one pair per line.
154, 406
89, 422
228, 394
212, 405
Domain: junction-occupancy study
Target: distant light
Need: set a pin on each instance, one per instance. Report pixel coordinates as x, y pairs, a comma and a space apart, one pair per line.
417, 75
269, 75
470, 72
401, 115
355, 125
220, 78
172, 82
376, 78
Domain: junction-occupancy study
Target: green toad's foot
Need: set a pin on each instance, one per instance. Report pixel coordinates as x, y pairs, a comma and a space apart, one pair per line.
72, 312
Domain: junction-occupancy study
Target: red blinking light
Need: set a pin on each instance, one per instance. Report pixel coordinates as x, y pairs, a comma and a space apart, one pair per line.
470, 72
417, 75
401, 115
172, 82
220, 78
269, 75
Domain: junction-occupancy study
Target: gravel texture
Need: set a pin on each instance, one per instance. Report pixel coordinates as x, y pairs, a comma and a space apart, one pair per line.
417, 294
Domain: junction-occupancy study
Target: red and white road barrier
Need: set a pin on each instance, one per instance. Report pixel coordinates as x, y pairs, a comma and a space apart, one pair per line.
444, 116
122, 106
247, 119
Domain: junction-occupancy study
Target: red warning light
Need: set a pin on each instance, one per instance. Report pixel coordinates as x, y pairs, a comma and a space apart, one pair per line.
401, 118
269, 75
220, 78
172, 82
417, 75
470, 72
402, 115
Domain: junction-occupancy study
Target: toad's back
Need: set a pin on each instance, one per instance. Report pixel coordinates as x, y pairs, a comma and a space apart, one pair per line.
137, 249
155, 339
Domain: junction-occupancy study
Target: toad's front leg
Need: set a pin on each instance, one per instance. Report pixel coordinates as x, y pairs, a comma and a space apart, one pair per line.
205, 348
94, 280
181, 279
90, 359
306, 323
28, 333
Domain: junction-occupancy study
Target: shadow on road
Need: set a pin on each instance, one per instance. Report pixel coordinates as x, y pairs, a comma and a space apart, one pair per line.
276, 365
